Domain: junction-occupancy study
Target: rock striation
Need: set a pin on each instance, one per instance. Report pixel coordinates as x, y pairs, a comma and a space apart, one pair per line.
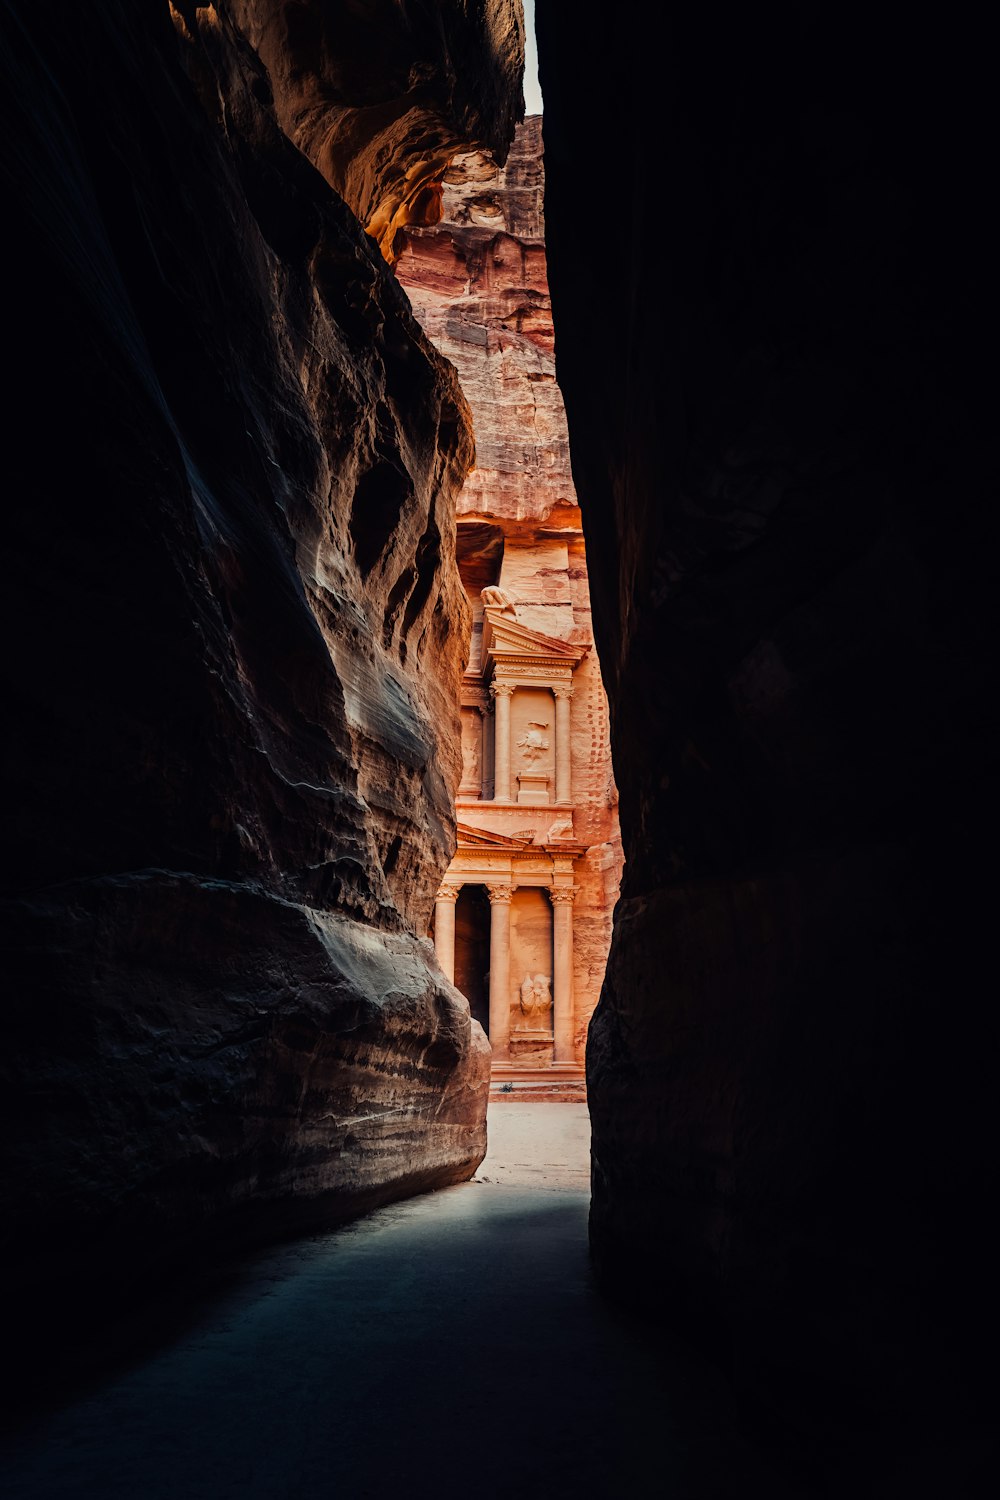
479, 286
236, 631
778, 429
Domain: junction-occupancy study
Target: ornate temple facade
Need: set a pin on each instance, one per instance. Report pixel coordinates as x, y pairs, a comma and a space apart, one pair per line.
522, 922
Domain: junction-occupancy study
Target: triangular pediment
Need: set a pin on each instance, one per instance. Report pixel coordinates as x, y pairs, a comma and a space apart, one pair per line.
485, 838
504, 636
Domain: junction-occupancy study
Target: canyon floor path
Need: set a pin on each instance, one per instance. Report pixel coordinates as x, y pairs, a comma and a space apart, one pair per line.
448, 1346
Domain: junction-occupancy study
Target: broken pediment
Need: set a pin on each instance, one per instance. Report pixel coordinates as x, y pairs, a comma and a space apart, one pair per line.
485, 838
506, 640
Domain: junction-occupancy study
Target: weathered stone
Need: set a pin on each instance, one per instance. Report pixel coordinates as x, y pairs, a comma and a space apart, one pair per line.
477, 281
236, 635
381, 95
777, 404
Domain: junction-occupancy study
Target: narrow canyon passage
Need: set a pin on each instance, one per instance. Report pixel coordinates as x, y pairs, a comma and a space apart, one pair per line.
498, 610
441, 1346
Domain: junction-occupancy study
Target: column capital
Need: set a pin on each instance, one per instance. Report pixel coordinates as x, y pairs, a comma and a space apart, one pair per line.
501, 689
448, 893
500, 893
562, 689
561, 895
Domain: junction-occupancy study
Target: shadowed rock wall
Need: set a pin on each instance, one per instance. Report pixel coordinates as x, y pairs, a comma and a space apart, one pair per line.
778, 422
235, 633
381, 95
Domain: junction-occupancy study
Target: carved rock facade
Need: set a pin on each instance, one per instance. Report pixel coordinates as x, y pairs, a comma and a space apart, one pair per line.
539, 856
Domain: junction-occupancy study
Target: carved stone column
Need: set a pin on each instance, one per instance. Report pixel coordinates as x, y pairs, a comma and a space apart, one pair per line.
500, 898
562, 979
563, 692
501, 692
444, 928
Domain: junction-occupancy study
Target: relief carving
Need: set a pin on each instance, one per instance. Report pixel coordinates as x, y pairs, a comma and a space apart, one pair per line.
534, 742
472, 752
471, 760
495, 598
536, 1000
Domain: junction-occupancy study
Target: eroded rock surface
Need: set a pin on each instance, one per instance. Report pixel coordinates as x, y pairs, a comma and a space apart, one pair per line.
478, 284
381, 95
777, 423
235, 635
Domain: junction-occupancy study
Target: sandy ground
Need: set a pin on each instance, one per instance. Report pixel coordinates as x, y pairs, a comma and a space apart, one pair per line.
538, 1146
450, 1346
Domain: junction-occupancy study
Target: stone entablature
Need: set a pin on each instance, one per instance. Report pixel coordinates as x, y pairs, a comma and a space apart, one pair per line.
482, 856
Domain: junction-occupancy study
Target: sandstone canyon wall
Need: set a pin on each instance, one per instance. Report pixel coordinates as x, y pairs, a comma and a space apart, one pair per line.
234, 635
478, 284
381, 95
778, 415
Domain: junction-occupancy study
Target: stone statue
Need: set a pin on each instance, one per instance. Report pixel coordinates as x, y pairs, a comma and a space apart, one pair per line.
495, 598
536, 999
562, 828
470, 755
534, 742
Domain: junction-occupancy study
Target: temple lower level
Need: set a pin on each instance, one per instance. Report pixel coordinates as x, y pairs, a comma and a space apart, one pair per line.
503, 930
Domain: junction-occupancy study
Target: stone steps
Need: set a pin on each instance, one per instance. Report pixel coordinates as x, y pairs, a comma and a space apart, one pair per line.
563, 1082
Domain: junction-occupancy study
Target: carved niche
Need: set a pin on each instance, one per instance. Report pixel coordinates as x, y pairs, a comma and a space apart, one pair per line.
533, 1015
472, 753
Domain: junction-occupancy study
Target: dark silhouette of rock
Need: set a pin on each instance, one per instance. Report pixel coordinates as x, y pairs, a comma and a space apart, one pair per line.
780, 417
234, 638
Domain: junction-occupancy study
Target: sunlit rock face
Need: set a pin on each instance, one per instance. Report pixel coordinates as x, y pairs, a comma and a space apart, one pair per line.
478, 284
777, 403
381, 94
236, 632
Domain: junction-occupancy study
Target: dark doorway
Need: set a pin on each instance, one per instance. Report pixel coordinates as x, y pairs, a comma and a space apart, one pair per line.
472, 950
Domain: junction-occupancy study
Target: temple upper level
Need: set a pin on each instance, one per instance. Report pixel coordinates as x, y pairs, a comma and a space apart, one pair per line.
517, 738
